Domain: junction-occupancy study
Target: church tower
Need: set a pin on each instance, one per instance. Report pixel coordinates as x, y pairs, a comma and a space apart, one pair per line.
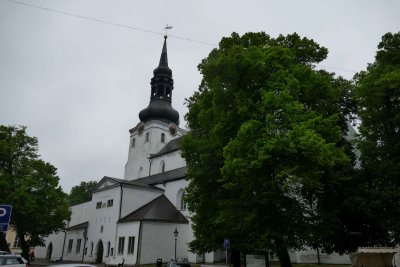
158, 123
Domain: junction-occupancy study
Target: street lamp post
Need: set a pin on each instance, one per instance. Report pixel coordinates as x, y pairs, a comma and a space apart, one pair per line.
176, 236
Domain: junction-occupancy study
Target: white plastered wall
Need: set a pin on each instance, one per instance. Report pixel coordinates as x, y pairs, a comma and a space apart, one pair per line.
172, 161
105, 217
79, 214
57, 241
73, 254
158, 241
172, 192
138, 156
126, 230
134, 198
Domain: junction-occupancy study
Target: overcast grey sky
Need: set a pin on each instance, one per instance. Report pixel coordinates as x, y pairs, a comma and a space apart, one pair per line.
78, 84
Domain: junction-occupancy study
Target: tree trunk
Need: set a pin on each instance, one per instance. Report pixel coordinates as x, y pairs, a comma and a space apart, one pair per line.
235, 258
283, 254
24, 247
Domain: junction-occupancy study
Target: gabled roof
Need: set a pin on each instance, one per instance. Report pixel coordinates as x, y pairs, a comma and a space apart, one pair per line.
172, 146
116, 181
159, 209
78, 226
164, 177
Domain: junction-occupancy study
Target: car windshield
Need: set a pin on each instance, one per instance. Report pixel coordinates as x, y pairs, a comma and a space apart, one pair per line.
10, 260
180, 264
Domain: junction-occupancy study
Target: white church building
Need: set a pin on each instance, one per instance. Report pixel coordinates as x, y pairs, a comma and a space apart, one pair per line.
143, 217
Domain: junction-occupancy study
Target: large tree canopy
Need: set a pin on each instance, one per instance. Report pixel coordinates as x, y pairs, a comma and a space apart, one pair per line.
31, 186
378, 97
81, 193
266, 151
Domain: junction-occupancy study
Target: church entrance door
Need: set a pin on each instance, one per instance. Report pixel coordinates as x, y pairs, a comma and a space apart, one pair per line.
49, 251
100, 249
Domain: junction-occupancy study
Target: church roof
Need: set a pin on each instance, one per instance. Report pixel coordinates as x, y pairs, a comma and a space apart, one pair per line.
168, 176
172, 146
117, 181
159, 209
78, 226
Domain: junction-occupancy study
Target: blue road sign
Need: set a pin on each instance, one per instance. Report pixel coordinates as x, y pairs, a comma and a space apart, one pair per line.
5, 215
227, 243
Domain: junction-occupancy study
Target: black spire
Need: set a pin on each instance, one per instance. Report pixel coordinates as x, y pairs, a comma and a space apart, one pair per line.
162, 85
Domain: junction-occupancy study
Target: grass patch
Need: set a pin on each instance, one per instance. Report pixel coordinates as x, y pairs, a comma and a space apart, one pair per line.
271, 264
276, 264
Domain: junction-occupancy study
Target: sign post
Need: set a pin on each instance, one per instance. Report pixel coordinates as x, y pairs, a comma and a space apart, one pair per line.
5, 215
227, 245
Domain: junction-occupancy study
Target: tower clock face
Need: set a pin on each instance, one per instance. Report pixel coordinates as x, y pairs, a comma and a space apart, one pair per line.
172, 129
140, 128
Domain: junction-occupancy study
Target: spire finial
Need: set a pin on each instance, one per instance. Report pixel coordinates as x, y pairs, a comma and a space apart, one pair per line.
164, 54
167, 27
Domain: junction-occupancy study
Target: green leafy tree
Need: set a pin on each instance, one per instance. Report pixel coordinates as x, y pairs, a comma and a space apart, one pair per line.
31, 186
266, 150
81, 193
378, 98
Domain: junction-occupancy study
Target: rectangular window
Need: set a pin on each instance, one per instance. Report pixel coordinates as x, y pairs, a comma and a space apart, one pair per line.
133, 142
131, 245
78, 245
98, 205
16, 242
121, 243
110, 202
70, 242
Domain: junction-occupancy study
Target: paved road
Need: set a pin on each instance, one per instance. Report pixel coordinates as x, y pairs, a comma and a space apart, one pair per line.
42, 263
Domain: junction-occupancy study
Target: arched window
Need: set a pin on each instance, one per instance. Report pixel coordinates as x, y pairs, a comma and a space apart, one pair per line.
108, 248
183, 202
140, 172
180, 200
91, 248
147, 136
163, 137
160, 90
162, 166
101, 228
168, 92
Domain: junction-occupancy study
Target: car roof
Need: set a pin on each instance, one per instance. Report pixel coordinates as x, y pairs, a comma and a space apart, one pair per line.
9, 255
180, 263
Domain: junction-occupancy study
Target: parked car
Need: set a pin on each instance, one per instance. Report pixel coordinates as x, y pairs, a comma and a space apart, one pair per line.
178, 263
72, 265
12, 260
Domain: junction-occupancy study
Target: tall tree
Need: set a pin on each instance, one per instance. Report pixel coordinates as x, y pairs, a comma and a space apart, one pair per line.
266, 144
3, 243
81, 193
31, 186
378, 98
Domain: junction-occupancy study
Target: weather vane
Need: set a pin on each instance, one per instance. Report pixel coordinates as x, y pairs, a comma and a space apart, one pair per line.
167, 27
